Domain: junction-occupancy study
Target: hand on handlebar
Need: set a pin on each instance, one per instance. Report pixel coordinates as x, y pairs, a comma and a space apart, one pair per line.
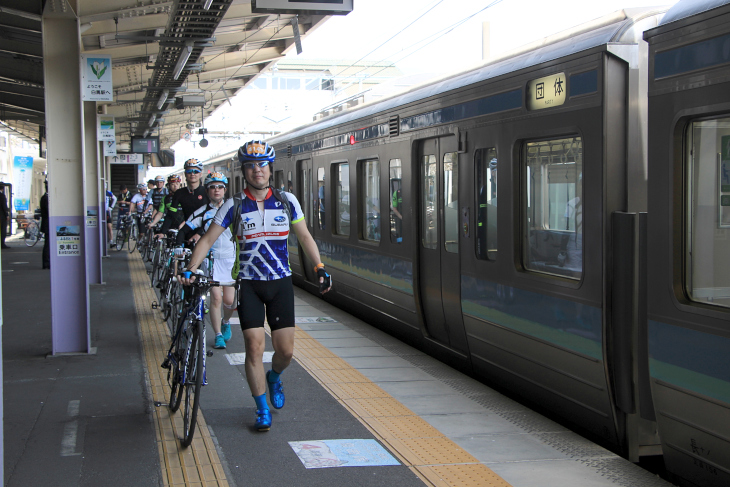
188, 277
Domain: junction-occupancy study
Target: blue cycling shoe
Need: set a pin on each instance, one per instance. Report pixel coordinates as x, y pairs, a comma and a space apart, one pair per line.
226, 330
263, 420
276, 392
219, 342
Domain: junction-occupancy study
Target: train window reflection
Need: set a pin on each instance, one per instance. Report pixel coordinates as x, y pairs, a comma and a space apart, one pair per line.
553, 207
707, 276
320, 197
396, 201
279, 180
429, 229
451, 202
343, 199
370, 200
486, 167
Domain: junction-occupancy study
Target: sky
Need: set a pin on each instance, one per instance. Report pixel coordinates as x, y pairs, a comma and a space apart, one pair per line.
432, 36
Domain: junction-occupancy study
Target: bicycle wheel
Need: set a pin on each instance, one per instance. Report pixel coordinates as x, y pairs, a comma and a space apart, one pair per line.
194, 370
32, 234
121, 233
133, 236
154, 277
176, 373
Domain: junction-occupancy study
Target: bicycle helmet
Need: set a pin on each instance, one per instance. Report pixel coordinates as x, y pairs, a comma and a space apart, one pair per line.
193, 164
256, 151
215, 177
160, 178
174, 178
141, 186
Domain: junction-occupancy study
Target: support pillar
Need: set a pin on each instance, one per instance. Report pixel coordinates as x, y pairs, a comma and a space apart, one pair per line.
93, 204
66, 185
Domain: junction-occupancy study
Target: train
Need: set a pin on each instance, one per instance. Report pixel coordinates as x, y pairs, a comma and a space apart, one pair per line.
555, 222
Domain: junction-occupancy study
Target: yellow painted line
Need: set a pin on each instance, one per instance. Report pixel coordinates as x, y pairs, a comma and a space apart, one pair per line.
197, 465
433, 457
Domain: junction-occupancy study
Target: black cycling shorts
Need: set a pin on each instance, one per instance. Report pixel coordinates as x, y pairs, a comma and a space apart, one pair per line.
272, 299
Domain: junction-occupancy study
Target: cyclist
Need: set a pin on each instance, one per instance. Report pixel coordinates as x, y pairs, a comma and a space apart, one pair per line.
125, 201
158, 194
188, 199
111, 200
173, 184
262, 228
223, 253
141, 202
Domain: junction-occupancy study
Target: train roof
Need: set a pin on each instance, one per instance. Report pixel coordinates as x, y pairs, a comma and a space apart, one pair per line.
619, 27
687, 8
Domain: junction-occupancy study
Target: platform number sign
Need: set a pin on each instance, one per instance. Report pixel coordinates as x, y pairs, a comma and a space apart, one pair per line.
311, 7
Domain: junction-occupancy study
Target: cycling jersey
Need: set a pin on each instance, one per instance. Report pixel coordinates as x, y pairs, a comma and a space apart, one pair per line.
157, 196
140, 202
187, 201
124, 197
264, 255
199, 222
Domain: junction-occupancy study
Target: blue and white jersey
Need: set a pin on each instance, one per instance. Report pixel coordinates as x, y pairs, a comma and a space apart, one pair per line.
223, 248
262, 235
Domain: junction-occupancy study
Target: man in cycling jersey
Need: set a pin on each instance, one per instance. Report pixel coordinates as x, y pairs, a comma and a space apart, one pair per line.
141, 202
111, 200
189, 198
222, 255
124, 200
158, 194
262, 227
173, 184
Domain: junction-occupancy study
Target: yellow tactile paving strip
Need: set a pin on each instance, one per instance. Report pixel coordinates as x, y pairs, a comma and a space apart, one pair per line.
436, 460
197, 465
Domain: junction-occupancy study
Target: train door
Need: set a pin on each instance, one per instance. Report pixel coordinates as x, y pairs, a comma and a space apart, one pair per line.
304, 195
438, 264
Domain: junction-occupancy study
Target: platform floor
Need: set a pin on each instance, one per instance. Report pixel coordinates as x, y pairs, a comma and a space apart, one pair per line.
355, 396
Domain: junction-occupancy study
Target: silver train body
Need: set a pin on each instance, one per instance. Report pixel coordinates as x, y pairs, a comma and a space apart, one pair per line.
529, 221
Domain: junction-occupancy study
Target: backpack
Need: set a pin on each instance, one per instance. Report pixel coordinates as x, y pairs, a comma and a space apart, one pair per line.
280, 196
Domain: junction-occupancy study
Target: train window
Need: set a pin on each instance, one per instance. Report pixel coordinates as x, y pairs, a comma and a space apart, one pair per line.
485, 161
451, 202
396, 201
237, 188
343, 199
429, 230
306, 196
370, 200
707, 276
289, 183
553, 209
320, 197
279, 180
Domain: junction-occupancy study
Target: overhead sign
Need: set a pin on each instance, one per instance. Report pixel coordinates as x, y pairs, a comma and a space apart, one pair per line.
110, 147
546, 92
321, 7
126, 159
22, 177
96, 78
105, 127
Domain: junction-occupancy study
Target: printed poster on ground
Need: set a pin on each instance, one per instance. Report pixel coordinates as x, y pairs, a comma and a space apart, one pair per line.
96, 78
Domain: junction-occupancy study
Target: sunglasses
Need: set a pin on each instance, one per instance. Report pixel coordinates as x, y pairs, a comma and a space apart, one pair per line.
216, 186
192, 171
251, 165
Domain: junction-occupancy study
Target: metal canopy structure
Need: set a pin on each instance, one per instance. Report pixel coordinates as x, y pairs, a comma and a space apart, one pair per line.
174, 61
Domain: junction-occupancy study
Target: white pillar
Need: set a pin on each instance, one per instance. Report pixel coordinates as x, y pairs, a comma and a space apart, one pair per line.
93, 204
66, 175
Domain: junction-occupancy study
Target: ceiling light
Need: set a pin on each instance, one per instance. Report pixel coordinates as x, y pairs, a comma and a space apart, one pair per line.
207, 3
182, 60
163, 99
146, 133
152, 120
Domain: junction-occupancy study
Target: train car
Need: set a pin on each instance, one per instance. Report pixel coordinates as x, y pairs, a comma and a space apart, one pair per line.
492, 219
689, 238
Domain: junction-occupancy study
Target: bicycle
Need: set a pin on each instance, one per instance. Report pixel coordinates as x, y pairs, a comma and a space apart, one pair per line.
32, 233
185, 361
122, 229
132, 233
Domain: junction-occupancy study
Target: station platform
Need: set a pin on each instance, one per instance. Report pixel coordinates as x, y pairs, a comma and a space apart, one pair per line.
362, 408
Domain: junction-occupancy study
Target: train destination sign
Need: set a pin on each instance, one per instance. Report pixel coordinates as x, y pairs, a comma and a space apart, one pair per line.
319, 7
546, 92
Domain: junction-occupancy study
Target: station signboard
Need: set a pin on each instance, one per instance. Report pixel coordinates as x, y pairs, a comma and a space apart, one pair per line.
318, 7
546, 92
